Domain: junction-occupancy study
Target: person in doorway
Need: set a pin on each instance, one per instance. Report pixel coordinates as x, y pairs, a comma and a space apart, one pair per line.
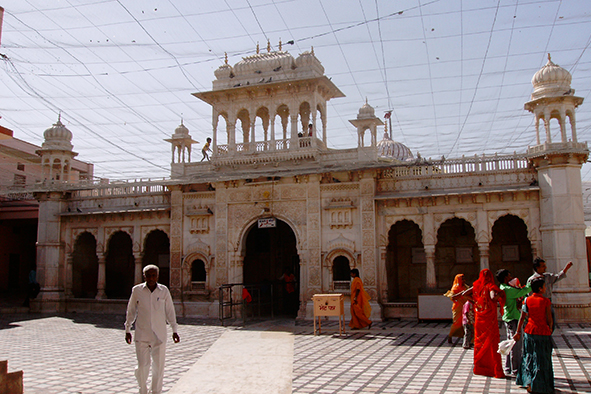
549, 278
458, 287
205, 149
536, 372
310, 130
511, 317
150, 307
486, 295
33, 288
360, 308
289, 290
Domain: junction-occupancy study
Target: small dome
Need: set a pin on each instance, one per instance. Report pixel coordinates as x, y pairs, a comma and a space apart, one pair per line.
57, 137
181, 131
392, 150
366, 111
551, 81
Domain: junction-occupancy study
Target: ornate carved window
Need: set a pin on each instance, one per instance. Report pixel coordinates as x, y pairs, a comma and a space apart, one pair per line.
340, 211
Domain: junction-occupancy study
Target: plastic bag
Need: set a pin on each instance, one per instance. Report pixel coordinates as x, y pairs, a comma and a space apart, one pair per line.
506, 346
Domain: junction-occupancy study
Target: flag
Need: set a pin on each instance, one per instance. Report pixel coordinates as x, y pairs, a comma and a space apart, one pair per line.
387, 115
1, 18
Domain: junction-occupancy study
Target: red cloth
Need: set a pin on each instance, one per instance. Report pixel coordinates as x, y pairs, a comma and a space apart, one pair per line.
246, 295
536, 309
487, 361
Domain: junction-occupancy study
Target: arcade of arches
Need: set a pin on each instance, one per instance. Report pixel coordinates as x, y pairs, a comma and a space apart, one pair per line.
456, 252
119, 264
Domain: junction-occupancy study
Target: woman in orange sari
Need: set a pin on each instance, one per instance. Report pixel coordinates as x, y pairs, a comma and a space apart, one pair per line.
457, 329
360, 308
487, 295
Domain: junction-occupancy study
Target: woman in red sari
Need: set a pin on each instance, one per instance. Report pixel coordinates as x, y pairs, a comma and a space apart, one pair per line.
360, 308
487, 295
457, 329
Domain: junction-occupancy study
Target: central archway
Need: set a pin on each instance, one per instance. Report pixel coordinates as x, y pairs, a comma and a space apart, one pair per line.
269, 252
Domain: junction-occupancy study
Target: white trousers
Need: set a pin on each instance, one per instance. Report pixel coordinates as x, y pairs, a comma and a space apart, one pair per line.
144, 350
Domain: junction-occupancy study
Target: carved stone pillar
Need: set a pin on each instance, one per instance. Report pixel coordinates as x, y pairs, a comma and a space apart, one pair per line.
138, 271
102, 277
431, 278
69, 262
483, 248
176, 240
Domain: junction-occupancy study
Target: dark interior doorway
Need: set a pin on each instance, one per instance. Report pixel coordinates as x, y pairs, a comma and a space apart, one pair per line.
269, 253
157, 252
120, 265
84, 267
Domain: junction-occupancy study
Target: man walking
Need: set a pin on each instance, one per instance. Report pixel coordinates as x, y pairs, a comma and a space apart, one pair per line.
511, 315
150, 307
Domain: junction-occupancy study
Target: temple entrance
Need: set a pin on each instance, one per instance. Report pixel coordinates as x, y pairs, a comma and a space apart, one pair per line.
270, 256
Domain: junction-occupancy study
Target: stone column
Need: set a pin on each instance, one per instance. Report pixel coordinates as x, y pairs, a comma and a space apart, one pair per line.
102, 277
176, 239
367, 186
562, 230
431, 278
69, 274
138, 271
483, 248
50, 254
314, 240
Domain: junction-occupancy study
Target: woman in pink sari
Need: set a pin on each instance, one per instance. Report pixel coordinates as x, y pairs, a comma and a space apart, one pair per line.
487, 295
457, 329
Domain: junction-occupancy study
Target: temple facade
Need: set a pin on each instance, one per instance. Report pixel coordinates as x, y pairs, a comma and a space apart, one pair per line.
274, 198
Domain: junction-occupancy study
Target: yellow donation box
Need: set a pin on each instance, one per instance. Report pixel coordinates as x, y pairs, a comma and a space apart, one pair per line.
329, 305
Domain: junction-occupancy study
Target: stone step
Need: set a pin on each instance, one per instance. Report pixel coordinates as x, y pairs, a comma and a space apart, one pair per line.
10, 382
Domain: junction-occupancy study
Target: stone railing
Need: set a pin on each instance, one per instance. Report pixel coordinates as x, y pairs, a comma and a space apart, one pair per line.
464, 165
266, 146
557, 147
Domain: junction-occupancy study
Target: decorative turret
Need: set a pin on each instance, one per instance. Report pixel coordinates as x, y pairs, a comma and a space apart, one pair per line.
366, 120
553, 98
181, 141
56, 152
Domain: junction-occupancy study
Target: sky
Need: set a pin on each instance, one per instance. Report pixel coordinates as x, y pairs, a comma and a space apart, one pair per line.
455, 73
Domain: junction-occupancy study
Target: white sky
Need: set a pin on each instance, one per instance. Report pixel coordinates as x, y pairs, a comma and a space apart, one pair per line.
456, 72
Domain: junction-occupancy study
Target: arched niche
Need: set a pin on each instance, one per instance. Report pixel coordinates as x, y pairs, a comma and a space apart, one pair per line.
405, 262
84, 266
510, 247
456, 252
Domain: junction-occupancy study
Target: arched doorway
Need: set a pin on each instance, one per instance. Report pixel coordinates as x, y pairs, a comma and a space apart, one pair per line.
456, 252
510, 247
119, 266
405, 262
268, 253
84, 267
157, 252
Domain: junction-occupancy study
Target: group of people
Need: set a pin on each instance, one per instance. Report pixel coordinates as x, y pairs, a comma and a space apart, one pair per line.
529, 323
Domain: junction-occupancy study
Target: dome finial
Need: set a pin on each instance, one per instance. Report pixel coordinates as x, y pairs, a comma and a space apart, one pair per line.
226, 57
549, 57
312, 50
258, 51
268, 45
280, 45
59, 117
366, 100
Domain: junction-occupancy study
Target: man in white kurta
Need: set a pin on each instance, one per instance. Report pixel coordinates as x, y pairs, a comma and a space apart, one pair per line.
150, 307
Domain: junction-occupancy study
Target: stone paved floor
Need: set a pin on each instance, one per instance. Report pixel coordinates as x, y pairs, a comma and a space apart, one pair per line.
80, 353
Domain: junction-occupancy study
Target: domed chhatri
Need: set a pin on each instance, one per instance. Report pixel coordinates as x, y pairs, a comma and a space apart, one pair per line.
57, 137
366, 111
551, 81
181, 131
392, 150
